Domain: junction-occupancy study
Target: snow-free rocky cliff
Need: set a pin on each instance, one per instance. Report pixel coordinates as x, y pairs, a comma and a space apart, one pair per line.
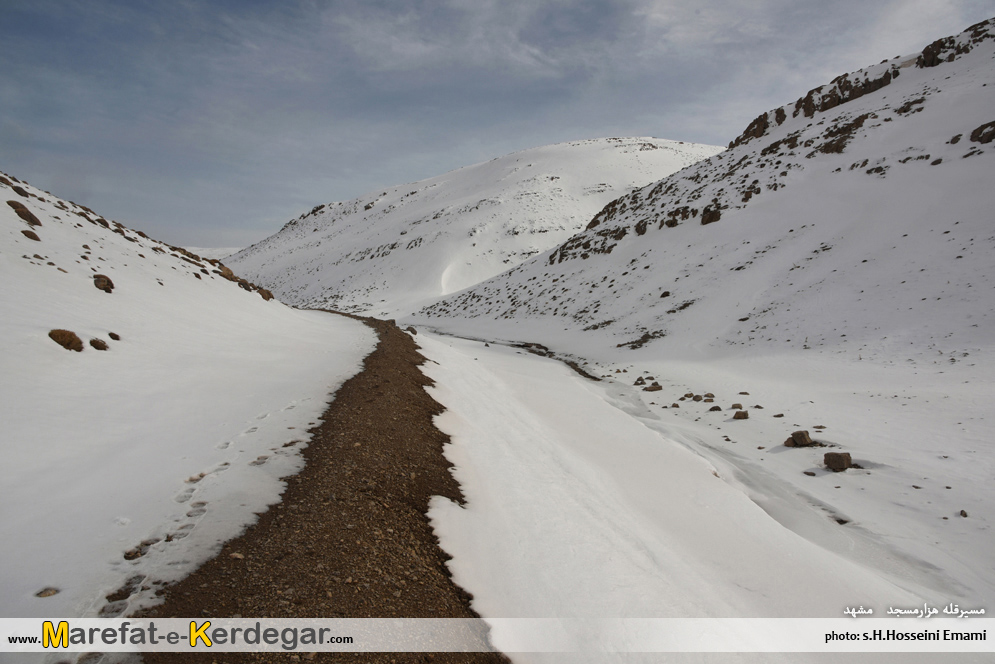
392, 251
179, 400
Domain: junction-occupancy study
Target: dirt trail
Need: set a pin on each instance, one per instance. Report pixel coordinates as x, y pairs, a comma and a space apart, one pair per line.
350, 538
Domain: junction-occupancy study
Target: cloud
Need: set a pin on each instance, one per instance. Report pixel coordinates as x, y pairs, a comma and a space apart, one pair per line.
228, 117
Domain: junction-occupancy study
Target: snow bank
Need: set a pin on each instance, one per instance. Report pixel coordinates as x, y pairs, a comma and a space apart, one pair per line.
130, 465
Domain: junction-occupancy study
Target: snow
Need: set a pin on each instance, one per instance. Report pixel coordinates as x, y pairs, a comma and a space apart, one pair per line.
577, 510
219, 253
178, 433
834, 294
845, 287
390, 252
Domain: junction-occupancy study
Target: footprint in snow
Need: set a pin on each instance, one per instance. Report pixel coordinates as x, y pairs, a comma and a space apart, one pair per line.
251, 430
180, 533
259, 461
197, 509
184, 495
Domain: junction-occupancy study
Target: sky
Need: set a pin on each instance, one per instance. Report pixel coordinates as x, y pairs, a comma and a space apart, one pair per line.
212, 124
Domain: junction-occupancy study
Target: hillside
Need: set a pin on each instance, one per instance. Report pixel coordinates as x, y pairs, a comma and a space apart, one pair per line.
390, 252
840, 222
830, 272
150, 401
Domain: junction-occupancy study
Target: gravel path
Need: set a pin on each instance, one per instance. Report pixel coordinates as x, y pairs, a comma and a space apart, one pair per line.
350, 538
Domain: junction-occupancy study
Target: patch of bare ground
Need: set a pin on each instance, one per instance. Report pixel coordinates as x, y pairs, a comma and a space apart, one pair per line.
350, 538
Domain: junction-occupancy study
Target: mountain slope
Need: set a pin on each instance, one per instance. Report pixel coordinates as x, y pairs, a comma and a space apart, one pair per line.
839, 221
147, 400
830, 272
394, 251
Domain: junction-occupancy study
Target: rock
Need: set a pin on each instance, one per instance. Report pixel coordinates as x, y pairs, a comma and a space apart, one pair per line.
640, 381
710, 215
114, 335
799, 439
99, 344
809, 473
984, 134
741, 415
47, 592
31, 235
103, 282
689, 395
779, 415
709, 395
737, 406
652, 388
24, 213
963, 513
746, 394
708, 400
236, 556
697, 397
837, 461
67, 339
675, 405
412, 330
714, 408
758, 406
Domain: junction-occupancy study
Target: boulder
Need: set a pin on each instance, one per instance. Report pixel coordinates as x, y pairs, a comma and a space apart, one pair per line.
837, 461
741, 415
103, 282
984, 134
67, 339
799, 439
24, 213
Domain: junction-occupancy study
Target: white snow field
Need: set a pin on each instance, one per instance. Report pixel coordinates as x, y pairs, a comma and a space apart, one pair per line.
392, 251
126, 467
586, 506
834, 272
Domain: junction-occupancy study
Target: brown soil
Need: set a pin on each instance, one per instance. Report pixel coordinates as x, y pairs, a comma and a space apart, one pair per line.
350, 538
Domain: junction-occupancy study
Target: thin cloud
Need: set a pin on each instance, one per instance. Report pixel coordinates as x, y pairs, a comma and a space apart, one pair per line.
201, 122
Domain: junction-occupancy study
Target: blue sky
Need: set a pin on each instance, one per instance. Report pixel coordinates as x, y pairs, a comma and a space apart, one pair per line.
213, 123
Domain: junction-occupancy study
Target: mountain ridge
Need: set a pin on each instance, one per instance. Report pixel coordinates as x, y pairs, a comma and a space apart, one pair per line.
904, 153
389, 252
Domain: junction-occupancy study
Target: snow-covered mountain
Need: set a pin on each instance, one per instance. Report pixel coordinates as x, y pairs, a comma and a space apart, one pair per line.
833, 271
143, 393
853, 220
393, 251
